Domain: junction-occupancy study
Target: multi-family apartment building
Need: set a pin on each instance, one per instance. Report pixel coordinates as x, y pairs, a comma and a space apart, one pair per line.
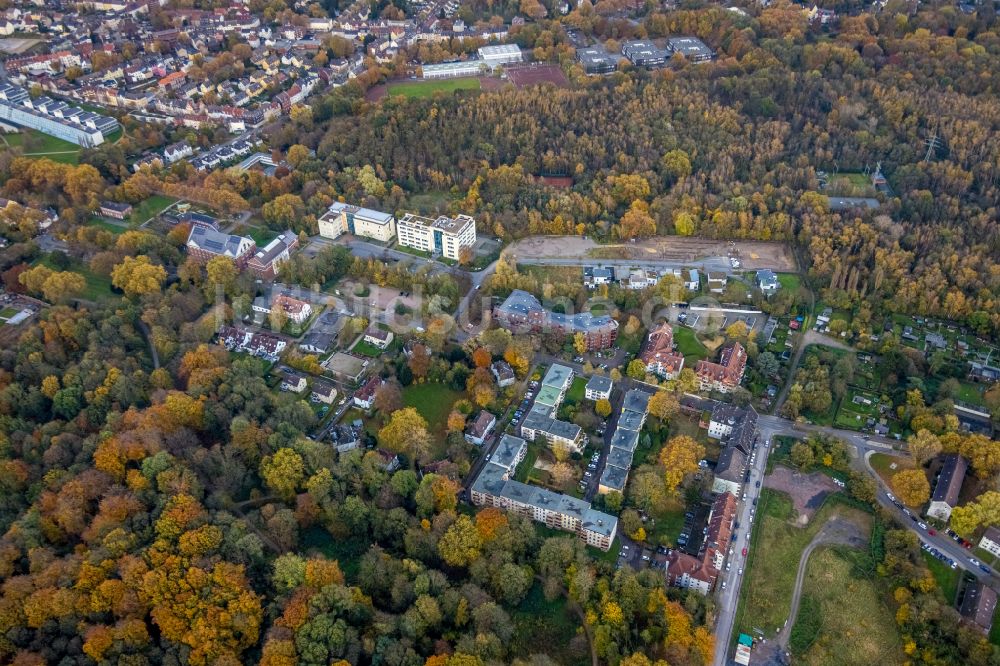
495, 487
725, 375
658, 353
443, 235
266, 262
344, 218
523, 313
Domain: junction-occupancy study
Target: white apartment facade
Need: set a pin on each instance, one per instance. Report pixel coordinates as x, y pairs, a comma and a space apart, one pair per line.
444, 235
344, 218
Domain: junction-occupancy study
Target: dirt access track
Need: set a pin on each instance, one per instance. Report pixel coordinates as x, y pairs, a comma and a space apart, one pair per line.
679, 249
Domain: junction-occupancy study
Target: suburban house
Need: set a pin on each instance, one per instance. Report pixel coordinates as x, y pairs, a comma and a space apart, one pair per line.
658, 353
523, 313
115, 210
266, 263
726, 374
292, 308
717, 282
380, 337
365, 396
260, 344
979, 601
323, 391
345, 438
205, 243
503, 372
991, 541
948, 487
347, 367
293, 381
693, 282
322, 335
480, 428
598, 388
593, 277
767, 281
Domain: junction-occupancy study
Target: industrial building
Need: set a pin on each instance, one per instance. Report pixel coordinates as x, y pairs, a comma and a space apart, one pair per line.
344, 218
442, 235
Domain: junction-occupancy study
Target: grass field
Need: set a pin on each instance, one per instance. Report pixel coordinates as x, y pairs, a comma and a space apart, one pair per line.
789, 281
260, 235
576, 390
539, 622
38, 142
946, 577
367, 349
850, 623
689, 345
429, 88
7, 313
775, 550
434, 402
107, 226
154, 205
98, 287
882, 463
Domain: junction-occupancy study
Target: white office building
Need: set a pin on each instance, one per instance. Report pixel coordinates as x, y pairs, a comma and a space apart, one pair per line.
343, 218
444, 235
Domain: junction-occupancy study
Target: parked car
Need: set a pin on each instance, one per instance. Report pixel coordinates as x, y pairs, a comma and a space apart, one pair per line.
921, 525
744, 553
932, 531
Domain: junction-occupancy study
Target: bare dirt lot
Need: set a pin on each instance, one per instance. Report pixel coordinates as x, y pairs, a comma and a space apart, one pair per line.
752, 254
531, 74
806, 490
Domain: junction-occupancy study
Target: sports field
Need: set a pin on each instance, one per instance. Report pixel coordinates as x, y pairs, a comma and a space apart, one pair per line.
428, 88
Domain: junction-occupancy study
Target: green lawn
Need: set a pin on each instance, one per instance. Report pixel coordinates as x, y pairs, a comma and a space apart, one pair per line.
790, 281
540, 622
946, 577
528, 464
367, 349
576, 390
434, 402
689, 345
882, 463
842, 618
430, 87
39, 142
971, 393
98, 287
107, 226
775, 549
152, 206
260, 236
7, 313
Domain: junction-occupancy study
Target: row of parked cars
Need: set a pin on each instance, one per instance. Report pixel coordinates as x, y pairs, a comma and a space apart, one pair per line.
932, 532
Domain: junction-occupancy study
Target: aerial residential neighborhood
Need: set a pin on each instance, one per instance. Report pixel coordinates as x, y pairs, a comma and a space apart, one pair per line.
460, 333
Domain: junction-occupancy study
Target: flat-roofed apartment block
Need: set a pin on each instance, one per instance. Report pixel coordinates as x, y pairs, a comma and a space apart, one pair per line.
54, 117
691, 48
644, 53
495, 487
343, 218
443, 235
555, 432
597, 60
